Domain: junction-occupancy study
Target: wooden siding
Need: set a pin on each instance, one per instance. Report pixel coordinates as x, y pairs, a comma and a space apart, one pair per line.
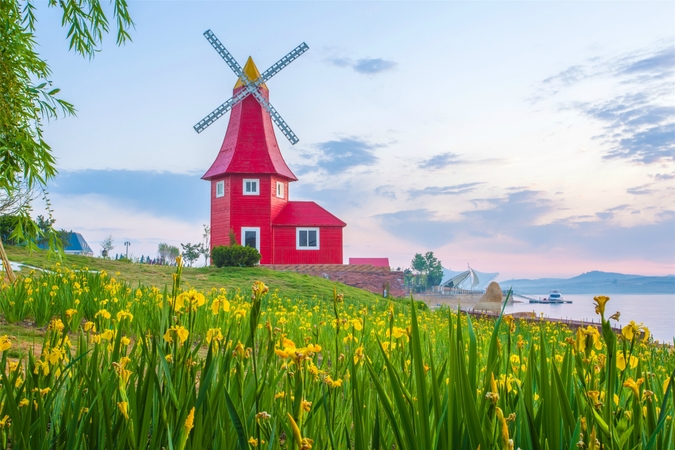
250, 145
220, 213
277, 204
285, 252
252, 211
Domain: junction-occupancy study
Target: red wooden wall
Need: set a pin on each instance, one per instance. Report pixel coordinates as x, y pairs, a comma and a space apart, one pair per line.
252, 211
330, 247
277, 203
220, 214
277, 244
236, 210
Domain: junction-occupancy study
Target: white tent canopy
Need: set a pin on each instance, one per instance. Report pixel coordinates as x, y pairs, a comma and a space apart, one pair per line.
469, 279
482, 279
452, 278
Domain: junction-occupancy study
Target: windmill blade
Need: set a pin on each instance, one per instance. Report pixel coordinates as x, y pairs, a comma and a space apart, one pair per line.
220, 111
236, 68
283, 62
227, 56
250, 87
276, 117
283, 126
250, 90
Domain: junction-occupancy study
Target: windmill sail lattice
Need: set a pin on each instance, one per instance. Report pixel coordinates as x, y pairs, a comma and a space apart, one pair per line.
251, 87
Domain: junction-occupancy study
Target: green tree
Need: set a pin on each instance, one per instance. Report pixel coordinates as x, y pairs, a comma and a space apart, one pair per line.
29, 98
206, 247
163, 252
65, 237
418, 278
191, 252
434, 269
106, 246
427, 270
173, 253
11, 205
167, 253
44, 226
6, 228
419, 263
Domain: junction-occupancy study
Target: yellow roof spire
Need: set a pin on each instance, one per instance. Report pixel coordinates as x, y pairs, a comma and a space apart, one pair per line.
251, 71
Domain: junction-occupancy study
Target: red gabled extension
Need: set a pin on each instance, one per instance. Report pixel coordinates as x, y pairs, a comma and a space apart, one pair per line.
304, 213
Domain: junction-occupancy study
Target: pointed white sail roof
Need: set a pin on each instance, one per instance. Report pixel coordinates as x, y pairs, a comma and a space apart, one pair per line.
468, 279
482, 279
453, 278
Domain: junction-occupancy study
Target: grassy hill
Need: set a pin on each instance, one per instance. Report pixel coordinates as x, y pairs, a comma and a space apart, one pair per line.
289, 284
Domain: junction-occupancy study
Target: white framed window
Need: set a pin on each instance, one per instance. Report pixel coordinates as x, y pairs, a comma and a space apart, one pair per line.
251, 186
250, 236
220, 189
307, 239
280, 189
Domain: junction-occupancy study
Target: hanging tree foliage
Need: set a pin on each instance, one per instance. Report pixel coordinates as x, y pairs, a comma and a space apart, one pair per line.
29, 98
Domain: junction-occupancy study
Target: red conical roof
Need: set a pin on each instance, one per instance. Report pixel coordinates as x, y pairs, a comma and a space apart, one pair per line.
250, 145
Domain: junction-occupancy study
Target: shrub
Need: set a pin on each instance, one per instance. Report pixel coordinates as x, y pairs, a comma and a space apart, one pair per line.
234, 255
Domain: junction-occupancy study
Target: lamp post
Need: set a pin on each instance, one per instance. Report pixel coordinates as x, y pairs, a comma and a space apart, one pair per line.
127, 244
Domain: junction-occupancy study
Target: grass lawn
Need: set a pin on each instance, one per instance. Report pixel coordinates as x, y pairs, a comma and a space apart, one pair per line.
289, 284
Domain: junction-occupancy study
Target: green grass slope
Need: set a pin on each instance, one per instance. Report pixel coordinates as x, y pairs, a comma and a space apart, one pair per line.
289, 284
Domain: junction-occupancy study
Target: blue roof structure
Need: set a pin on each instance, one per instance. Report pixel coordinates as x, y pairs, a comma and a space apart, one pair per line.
76, 245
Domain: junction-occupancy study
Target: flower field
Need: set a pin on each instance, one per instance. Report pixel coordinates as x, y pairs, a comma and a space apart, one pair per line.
145, 368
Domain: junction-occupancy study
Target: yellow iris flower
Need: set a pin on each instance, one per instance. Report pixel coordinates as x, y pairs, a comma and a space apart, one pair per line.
621, 361
124, 409
190, 421
633, 330
634, 385
180, 331
600, 302
5, 343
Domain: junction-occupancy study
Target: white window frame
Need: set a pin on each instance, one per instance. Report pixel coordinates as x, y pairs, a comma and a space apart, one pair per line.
257, 236
280, 189
251, 180
220, 189
297, 239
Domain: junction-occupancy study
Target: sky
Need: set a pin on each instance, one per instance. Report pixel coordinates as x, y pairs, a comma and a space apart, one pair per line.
529, 138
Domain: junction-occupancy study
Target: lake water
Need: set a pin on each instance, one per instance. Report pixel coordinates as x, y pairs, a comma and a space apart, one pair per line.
656, 311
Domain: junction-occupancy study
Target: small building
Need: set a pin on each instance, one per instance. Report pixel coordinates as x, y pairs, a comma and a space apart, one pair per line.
250, 187
376, 262
75, 245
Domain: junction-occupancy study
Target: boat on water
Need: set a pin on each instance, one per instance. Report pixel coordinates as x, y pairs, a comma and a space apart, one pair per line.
554, 297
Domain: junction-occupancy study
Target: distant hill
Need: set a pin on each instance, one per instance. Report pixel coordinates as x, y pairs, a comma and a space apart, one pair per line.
597, 283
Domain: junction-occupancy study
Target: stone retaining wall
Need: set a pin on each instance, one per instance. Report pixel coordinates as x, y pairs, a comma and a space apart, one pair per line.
371, 278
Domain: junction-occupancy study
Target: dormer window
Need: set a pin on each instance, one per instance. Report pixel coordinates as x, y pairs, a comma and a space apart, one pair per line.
220, 189
280, 189
251, 186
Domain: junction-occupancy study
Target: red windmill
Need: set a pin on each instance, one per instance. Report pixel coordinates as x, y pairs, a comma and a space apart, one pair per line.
250, 179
